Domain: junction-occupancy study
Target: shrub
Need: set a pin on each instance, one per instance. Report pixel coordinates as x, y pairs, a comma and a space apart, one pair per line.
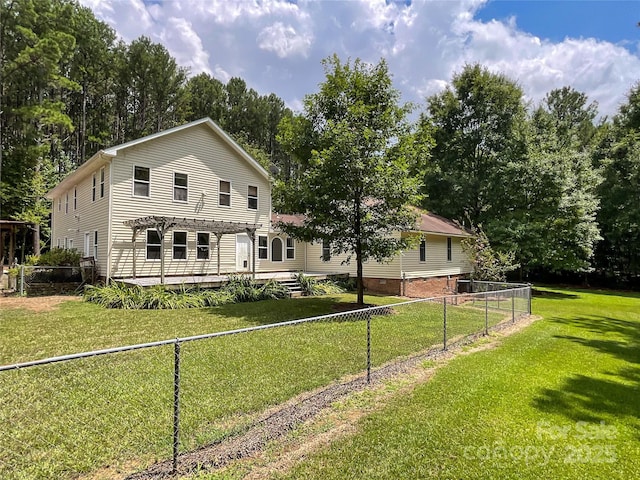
57, 257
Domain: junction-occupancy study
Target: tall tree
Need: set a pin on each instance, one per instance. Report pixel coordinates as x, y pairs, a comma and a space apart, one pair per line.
528, 183
34, 47
478, 125
618, 156
356, 189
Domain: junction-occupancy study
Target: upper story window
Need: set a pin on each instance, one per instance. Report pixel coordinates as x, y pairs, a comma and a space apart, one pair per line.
291, 248
448, 249
252, 197
153, 245
59, 204
180, 187
326, 251
141, 181
102, 182
202, 247
93, 188
423, 250
263, 248
66, 203
225, 193
75, 198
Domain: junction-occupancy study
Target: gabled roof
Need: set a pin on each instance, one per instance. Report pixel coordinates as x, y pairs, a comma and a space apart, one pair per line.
426, 222
102, 156
432, 223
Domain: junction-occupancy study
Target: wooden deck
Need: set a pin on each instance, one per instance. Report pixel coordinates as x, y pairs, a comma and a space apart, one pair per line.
213, 281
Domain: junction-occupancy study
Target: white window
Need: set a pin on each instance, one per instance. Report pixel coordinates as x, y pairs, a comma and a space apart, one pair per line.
179, 245
71, 244
58, 243
66, 203
225, 193
202, 245
66, 243
423, 250
276, 250
93, 188
95, 244
291, 249
326, 251
153, 245
263, 248
59, 204
141, 181
252, 198
75, 198
87, 244
180, 187
449, 249
102, 182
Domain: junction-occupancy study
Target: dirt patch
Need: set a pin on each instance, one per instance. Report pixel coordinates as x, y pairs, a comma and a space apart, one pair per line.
274, 425
36, 304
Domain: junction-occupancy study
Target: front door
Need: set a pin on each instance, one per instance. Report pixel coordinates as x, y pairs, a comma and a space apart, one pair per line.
243, 253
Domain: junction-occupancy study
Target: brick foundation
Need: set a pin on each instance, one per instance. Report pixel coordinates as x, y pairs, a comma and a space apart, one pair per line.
413, 287
387, 286
430, 287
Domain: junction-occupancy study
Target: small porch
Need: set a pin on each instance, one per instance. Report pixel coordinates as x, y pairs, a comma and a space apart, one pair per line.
214, 281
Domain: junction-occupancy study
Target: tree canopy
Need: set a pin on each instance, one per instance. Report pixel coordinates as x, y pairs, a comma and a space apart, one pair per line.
355, 189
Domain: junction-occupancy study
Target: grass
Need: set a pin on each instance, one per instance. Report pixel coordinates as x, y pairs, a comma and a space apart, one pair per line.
63, 419
557, 400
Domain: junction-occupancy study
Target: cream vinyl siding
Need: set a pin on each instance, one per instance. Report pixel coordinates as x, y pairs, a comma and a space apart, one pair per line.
291, 265
206, 158
371, 268
88, 217
437, 263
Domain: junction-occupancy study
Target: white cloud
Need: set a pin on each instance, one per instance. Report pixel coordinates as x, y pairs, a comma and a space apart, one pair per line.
277, 46
284, 41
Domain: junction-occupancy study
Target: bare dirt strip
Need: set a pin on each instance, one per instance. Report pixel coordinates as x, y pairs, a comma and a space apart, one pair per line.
277, 422
35, 304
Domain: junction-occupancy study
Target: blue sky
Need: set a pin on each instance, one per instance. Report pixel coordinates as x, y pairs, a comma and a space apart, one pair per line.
277, 45
614, 21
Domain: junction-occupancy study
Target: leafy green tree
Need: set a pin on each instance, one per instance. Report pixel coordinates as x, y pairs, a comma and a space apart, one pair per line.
529, 182
478, 126
356, 188
486, 263
618, 157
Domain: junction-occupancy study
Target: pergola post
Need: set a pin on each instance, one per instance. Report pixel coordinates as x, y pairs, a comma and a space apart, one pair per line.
133, 241
161, 231
252, 236
218, 238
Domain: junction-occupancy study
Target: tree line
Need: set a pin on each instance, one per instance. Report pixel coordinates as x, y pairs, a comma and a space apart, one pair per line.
547, 181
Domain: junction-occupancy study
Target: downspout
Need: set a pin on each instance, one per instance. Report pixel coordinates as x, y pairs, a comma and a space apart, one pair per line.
110, 219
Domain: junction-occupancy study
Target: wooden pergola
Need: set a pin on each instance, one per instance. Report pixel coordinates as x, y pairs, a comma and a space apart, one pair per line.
164, 224
10, 228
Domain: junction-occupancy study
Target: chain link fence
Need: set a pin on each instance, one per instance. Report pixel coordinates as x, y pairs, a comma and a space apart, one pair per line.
117, 411
47, 280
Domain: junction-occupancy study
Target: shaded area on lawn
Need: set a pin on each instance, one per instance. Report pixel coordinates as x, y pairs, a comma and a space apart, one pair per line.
611, 393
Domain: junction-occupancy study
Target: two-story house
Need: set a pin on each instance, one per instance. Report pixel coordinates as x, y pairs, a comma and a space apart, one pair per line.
190, 202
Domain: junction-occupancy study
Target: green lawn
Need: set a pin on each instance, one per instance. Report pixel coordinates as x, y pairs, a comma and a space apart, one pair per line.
73, 417
560, 400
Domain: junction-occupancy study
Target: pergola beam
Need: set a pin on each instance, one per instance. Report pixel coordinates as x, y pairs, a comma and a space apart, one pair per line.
217, 227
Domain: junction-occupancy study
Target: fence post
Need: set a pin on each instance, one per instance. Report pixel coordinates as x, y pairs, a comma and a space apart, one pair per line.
444, 311
21, 280
368, 348
176, 403
513, 306
486, 313
529, 297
